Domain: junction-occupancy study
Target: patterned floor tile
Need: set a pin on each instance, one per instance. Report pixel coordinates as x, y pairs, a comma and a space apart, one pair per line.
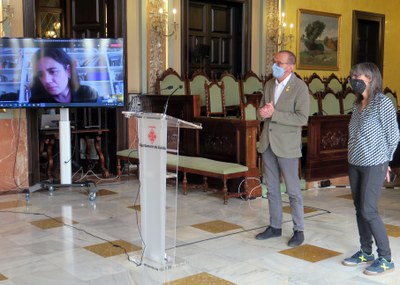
112, 248
200, 279
216, 226
52, 223
135, 207
393, 231
286, 209
347, 196
310, 253
12, 204
2, 277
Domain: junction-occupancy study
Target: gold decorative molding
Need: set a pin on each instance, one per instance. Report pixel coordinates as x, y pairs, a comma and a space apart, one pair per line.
155, 44
272, 24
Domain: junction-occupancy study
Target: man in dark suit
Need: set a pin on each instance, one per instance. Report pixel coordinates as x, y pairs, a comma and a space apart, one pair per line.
284, 110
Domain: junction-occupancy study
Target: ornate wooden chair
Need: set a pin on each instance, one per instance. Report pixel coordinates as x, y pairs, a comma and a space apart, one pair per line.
298, 76
233, 95
346, 84
330, 103
348, 99
169, 81
334, 83
215, 99
266, 78
251, 84
196, 86
315, 107
315, 83
249, 111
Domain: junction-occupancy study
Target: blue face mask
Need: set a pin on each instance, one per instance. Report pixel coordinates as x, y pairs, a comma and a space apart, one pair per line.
277, 71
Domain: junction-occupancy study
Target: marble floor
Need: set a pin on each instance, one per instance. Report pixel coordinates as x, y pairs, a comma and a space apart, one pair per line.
65, 238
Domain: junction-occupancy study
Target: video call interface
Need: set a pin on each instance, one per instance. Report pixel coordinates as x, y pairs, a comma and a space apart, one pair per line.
98, 64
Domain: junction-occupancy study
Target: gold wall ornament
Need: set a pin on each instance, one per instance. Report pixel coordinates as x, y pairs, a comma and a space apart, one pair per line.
272, 9
279, 35
155, 44
161, 24
7, 14
159, 29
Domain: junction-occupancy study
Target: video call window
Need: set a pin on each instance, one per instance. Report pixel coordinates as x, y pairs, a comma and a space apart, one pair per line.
48, 73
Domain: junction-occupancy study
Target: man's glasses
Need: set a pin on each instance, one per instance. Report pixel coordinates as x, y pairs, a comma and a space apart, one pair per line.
280, 64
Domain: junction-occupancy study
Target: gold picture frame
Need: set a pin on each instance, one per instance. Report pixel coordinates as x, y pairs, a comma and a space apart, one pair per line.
318, 44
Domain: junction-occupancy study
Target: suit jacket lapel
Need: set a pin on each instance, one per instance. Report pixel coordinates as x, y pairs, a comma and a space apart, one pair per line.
272, 91
288, 87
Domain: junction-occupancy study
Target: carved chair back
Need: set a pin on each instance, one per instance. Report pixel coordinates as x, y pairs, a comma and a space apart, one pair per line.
196, 85
251, 83
170, 81
348, 99
215, 99
331, 103
232, 92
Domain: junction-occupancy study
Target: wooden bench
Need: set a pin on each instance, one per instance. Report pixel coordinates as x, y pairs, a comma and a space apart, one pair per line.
196, 165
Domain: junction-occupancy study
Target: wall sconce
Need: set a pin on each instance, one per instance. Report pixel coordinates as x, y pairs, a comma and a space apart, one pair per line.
279, 36
160, 20
286, 38
55, 32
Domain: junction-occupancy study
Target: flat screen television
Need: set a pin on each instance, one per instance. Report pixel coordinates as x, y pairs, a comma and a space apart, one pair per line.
61, 73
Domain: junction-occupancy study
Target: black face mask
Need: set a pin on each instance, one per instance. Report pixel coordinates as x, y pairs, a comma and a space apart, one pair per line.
358, 85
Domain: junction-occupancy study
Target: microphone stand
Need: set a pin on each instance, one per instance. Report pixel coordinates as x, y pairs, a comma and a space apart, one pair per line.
169, 96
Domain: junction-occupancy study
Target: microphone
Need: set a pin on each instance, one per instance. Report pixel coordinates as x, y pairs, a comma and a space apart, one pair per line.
169, 87
176, 89
169, 96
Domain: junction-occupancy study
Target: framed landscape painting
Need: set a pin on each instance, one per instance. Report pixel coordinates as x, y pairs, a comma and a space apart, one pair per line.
319, 42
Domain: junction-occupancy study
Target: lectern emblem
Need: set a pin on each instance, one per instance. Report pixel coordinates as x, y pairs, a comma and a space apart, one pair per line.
152, 134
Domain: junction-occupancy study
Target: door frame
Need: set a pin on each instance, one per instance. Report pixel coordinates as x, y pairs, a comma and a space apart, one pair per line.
373, 17
246, 32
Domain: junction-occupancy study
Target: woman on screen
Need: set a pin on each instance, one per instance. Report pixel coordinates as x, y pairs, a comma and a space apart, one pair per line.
54, 79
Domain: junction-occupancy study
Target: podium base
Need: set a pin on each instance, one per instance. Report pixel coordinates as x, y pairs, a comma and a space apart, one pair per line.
170, 263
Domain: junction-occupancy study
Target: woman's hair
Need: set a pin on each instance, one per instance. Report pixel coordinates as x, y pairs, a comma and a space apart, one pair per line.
62, 58
372, 72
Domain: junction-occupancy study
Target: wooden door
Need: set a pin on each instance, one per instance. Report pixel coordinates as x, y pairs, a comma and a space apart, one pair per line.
368, 38
215, 37
88, 19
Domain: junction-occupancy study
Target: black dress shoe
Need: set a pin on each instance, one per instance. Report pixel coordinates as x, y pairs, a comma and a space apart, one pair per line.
297, 239
270, 232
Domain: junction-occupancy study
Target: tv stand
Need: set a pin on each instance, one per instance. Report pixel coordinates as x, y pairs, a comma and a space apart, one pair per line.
65, 162
52, 187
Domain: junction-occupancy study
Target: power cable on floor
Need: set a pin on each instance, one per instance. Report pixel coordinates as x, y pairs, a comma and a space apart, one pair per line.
78, 229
